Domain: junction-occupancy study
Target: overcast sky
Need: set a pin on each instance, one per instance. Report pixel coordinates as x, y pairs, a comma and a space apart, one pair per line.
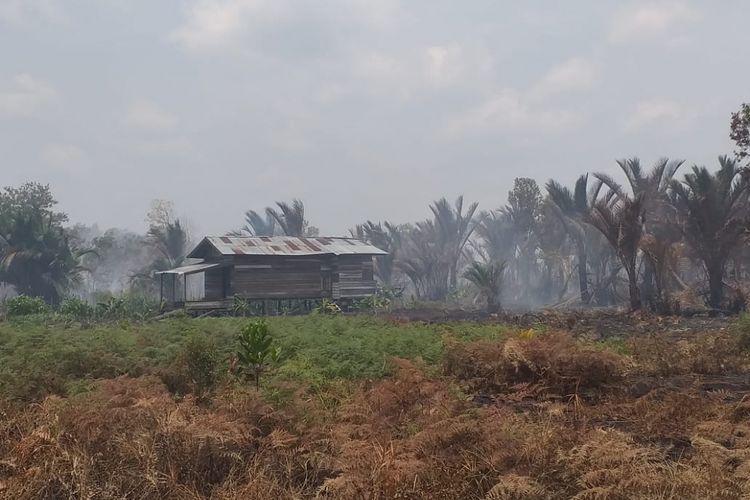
364, 109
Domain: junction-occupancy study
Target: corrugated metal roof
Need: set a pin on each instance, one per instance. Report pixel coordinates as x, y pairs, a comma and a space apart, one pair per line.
192, 268
287, 245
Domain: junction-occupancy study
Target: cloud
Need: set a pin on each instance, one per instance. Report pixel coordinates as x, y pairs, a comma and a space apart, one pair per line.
146, 115
25, 96
67, 158
19, 11
212, 24
455, 64
509, 111
652, 19
572, 75
662, 113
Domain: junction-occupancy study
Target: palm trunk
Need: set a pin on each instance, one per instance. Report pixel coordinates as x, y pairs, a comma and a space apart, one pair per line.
492, 305
583, 284
633, 292
715, 284
647, 285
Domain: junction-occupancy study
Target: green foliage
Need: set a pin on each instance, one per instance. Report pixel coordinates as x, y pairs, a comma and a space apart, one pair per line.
200, 361
38, 358
77, 309
256, 351
327, 306
488, 279
378, 302
23, 305
35, 254
131, 306
241, 306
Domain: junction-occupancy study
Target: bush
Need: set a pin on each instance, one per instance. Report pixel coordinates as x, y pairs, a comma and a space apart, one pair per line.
195, 370
256, 351
129, 306
77, 309
23, 305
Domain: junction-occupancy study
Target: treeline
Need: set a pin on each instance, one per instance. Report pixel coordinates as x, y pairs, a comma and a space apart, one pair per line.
42, 256
668, 238
656, 242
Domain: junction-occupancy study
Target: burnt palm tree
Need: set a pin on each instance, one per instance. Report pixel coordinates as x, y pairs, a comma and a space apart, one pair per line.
454, 228
495, 237
488, 279
387, 237
572, 208
289, 217
658, 212
620, 221
712, 216
423, 260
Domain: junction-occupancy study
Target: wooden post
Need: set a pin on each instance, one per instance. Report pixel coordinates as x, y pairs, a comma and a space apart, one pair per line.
184, 289
161, 289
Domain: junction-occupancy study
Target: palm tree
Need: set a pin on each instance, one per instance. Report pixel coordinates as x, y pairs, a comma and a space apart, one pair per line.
170, 242
488, 279
455, 227
620, 221
290, 218
422, 259
385, 236
572, 209
652, 186
712, 211
36, 257
257, 225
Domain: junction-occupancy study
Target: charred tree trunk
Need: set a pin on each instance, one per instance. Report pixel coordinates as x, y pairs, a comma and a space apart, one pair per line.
583, 281
648, 292
715, 284
492, 304
633, 291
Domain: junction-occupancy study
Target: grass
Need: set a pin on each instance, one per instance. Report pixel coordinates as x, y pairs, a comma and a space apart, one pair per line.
39, 356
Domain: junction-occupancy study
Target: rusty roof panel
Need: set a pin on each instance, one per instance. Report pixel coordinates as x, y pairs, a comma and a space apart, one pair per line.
287, 245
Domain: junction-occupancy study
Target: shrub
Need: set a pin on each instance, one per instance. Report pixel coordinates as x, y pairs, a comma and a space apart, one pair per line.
327, 306
77, 309
256, 351
195, 370
23, 305
129, 306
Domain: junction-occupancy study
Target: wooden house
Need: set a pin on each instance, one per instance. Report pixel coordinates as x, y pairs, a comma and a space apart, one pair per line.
275, 267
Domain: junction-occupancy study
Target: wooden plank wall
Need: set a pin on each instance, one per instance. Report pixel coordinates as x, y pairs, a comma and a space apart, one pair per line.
214, 284
268, 277
355, 276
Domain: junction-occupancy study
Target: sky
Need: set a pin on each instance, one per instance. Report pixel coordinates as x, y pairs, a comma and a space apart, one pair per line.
364, 109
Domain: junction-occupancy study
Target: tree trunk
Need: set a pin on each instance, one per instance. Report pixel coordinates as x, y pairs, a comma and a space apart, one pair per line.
583, 282
633, 292
715, 284
453, 276
492, 305
647, 285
